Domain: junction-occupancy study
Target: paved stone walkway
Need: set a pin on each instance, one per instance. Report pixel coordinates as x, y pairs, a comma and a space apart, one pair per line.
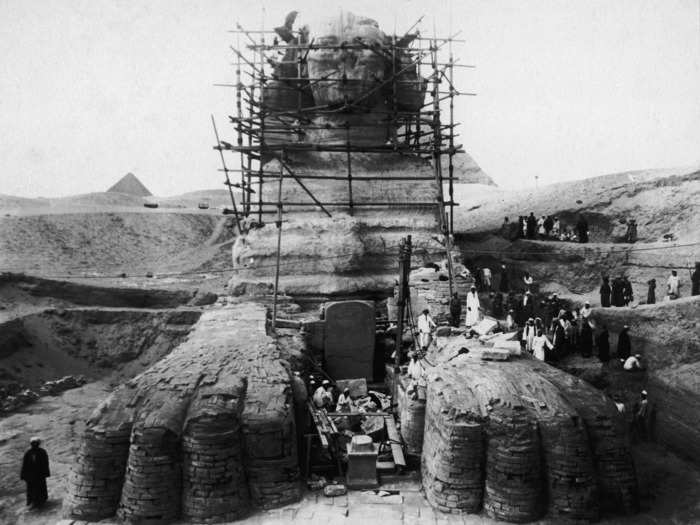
357, 507
409, 507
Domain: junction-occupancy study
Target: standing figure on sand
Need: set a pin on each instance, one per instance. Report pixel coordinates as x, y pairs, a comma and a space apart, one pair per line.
35, 470
473, 307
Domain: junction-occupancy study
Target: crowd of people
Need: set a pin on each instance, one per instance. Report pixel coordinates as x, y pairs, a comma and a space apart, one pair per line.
619, 291
546, 227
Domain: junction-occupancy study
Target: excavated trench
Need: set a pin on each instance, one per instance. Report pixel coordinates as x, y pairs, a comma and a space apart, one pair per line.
92, 342
51, 330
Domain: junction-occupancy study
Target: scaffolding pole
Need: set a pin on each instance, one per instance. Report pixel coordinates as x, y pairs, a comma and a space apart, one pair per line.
270, 124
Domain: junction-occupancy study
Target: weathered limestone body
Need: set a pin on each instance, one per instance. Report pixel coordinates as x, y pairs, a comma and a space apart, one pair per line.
206, 433
355, 249
521, 439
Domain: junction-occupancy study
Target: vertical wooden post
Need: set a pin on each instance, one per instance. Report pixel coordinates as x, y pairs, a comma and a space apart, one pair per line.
347, 147
437, 161
263, 113
279, 247
404, 294
239, 127
228, 180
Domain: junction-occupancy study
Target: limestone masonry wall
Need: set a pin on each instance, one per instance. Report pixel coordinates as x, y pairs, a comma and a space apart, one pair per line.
522, 439
204, 434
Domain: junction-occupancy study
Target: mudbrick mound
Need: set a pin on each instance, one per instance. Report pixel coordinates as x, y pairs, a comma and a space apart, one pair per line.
521, 439
205, 434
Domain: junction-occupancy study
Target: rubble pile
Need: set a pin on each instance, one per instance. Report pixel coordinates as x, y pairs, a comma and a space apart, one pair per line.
14, 396
196, 434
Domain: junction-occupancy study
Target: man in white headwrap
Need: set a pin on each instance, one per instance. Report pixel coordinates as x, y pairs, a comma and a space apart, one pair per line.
473, 307
426, 325
35, 470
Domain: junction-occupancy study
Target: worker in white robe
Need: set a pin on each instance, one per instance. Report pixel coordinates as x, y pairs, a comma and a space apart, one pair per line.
539, 343
586, 311
674, 284
473, 307
416, 373
529, 334
426, 325
323, 396
344, 403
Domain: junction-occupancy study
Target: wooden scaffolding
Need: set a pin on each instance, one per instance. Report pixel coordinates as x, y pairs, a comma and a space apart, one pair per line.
263, 132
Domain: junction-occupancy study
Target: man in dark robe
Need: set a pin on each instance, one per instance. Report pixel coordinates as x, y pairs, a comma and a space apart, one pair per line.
618, 295
531, 226
553, 308
521, 226
477, 278
512, 304
497, 308
35, 470
605, 292
627, 291
651, 293
603, 344
695, 280
504, 285
582, 229
558, 340
624, 346
505, 228
548, 225
455, 310
631, 235
526, 309
585, 340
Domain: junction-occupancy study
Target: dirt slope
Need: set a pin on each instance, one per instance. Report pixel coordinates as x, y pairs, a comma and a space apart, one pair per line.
662, 201
109, 242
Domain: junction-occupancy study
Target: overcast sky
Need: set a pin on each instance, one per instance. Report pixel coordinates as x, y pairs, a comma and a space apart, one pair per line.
92, 89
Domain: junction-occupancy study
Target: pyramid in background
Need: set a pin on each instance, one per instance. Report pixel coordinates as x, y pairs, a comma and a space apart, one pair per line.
130, 185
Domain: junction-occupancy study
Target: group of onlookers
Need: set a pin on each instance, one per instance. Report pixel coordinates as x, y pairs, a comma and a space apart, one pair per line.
619, 292
546, 227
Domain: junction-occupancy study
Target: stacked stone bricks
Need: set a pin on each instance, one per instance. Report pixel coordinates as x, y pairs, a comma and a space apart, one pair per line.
197, 434
521, 440
412, 417
617, 480
214, 483
98, 473
428, 291
453, 448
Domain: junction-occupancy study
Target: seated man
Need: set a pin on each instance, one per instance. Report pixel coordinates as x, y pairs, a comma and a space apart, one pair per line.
344, 403
323, 396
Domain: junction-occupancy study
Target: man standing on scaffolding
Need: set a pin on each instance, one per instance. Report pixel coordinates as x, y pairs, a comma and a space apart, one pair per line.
426, 325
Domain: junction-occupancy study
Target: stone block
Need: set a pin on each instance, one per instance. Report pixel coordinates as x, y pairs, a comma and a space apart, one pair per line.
334, 490
358, 387
349, 339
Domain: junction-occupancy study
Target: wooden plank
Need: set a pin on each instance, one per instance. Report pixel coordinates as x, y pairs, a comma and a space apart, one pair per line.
318, 425
395, 441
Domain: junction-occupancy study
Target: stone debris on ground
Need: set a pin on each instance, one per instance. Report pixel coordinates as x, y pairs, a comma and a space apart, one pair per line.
14, 396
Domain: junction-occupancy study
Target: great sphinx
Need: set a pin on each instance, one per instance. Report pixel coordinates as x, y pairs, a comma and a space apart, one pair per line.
336, 89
